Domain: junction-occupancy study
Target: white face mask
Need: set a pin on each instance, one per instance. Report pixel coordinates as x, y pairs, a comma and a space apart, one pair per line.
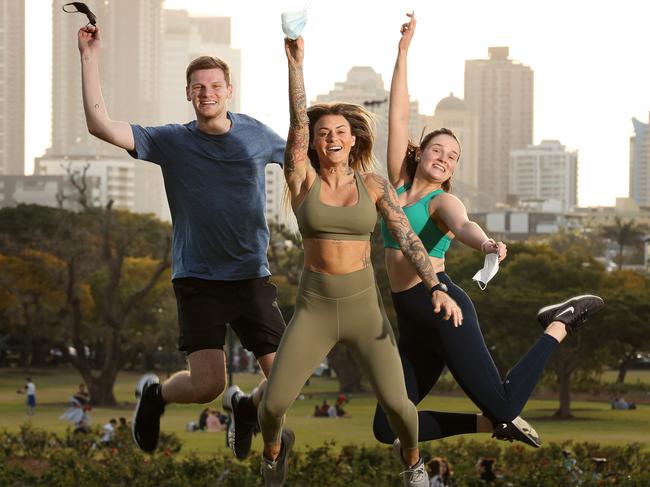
293, 23
490, 269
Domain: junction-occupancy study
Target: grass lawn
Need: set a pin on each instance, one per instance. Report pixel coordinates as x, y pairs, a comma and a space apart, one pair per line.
596, 421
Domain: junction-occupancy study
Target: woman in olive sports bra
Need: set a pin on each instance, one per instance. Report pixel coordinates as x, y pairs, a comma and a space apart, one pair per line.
428, 343
336, 199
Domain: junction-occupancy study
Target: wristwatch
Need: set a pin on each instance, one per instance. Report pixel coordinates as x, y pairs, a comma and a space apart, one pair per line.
441, 286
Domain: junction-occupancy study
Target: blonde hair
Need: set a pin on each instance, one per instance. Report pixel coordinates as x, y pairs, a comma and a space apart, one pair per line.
362, 127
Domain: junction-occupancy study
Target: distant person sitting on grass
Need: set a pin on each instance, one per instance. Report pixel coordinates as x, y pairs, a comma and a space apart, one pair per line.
108, 431
621, 403
214, 424
439, 472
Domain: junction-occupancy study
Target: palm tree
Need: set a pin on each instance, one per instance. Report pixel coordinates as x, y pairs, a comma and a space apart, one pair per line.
624, 233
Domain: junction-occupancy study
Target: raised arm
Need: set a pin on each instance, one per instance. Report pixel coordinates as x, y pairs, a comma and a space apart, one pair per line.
453, 213
296, 159
97, 119
411, 245
399, 108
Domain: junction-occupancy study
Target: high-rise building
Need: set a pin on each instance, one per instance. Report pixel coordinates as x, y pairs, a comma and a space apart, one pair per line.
184, 39
130, 76
12, 87
500, 92
640, 163
129, 69
364, 86
54, 191
546, 174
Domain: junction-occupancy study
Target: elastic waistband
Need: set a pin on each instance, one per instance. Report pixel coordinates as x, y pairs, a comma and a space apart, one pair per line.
442, 277
337, 286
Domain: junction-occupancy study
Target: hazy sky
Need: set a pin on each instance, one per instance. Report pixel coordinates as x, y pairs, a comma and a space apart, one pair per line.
590, 58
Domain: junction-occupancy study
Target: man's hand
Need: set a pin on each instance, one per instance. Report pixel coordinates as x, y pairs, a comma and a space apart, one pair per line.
89, 40
442, 302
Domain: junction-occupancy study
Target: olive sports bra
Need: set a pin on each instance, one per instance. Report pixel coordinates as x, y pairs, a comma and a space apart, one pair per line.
318, 220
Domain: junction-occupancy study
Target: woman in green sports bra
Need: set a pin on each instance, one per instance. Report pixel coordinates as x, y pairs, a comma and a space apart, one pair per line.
336, 200
428, 342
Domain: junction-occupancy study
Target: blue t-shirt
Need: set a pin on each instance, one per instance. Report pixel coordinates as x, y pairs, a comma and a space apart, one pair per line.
215, 187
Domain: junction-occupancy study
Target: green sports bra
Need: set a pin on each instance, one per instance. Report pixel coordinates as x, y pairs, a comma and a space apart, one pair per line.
318, 220
436, 242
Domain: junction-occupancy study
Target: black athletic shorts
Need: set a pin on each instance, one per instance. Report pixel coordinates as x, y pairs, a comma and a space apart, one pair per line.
250, 306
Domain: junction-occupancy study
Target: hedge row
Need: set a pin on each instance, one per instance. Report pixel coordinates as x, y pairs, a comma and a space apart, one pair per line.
34, 457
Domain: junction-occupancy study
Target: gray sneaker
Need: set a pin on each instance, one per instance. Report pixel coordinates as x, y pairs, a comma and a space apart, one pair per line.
415, 476
275, 472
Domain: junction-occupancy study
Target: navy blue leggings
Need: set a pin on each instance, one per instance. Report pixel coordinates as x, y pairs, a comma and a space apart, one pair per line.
428, 342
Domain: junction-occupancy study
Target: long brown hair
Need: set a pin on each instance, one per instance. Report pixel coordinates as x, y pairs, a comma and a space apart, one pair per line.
362, 126
412, 162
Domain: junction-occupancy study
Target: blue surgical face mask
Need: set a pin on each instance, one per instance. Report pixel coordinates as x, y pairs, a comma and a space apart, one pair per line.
293, 23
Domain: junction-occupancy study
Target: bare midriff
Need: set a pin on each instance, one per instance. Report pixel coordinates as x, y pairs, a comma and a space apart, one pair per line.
402, 274
336, 256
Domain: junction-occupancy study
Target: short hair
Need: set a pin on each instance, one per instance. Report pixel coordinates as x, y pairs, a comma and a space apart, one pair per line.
207, 62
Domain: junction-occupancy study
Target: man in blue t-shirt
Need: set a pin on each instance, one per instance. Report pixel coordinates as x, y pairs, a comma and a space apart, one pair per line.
214, 173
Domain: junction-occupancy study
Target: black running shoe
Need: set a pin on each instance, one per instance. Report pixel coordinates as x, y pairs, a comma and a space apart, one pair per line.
241, 429
517, 430
146, 418
573, 312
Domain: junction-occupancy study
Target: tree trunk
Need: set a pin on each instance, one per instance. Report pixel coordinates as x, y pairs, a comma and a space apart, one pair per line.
101, 392
346, 369
564, 383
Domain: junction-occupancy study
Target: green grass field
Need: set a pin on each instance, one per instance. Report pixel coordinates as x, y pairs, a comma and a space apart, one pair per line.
595, 420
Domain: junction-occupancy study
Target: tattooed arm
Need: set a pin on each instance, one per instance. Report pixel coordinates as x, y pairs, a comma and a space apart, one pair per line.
99, 123
296, 160
411, 245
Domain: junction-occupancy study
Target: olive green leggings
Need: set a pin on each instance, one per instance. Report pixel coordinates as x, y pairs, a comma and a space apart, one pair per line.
331, 309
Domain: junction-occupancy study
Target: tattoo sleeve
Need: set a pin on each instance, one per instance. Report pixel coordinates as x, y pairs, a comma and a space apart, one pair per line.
402, 232
298, 138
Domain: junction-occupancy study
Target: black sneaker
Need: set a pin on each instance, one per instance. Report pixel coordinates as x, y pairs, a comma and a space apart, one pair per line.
241, 429
573, 312
517, 430
145, 426
275, 472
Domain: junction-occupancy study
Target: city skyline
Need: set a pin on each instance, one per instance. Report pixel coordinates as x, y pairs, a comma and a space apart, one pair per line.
589, 75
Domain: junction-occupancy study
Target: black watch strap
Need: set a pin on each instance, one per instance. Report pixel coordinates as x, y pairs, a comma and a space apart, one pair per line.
441, 286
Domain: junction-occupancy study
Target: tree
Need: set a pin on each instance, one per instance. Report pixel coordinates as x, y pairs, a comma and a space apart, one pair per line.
90, 243
625, 234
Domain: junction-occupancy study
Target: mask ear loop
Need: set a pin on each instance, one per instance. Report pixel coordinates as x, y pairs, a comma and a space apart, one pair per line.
81, 8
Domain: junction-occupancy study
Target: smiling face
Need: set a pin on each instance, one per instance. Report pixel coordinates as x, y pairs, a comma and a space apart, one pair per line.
209, 93
332, 140
438, 158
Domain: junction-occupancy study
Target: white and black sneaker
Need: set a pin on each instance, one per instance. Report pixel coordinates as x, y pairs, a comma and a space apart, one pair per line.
275, 472
573, 312
240, 428
415, 476
517, 430
145, 426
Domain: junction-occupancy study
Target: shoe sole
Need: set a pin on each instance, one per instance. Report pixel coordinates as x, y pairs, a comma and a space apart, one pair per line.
138, 393
531, 438
226, 403
560, 305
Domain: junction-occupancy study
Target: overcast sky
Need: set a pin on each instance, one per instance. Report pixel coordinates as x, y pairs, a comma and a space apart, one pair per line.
591, 61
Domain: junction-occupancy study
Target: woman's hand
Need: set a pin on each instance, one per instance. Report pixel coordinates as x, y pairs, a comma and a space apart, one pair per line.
492, 247
295, 50
407, 30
